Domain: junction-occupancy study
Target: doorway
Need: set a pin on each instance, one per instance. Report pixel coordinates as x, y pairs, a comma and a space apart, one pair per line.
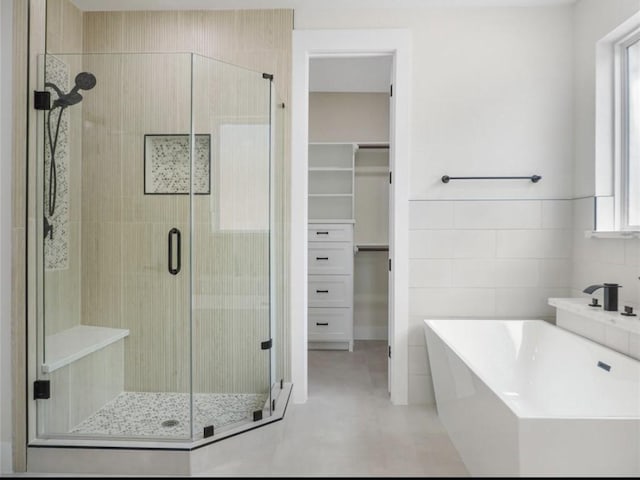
348, 213
308, 45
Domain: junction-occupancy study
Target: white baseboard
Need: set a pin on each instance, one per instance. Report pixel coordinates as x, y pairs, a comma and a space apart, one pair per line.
370, 333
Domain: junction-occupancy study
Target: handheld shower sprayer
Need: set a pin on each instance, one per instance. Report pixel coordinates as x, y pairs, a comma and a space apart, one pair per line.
83, 81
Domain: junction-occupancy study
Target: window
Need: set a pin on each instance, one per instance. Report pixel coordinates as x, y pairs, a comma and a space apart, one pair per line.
617, 169
630, 152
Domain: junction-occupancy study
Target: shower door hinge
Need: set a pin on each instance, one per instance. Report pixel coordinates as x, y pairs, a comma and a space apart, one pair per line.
389, 351
266, 345
41, 389
267, 76
208, 431
391, 90
389, 264
257, 415
42, 100
390, 177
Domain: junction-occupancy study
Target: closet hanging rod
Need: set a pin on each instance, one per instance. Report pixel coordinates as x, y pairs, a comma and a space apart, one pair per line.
533, 178
372, 248
373, 146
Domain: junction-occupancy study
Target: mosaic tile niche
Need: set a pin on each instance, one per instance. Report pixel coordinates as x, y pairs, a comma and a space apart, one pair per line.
56, 249
167, 165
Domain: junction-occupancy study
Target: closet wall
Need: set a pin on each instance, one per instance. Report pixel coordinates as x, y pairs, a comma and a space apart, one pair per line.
362, 118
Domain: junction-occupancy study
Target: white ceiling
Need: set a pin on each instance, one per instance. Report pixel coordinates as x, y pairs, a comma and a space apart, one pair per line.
363, 74
102, 5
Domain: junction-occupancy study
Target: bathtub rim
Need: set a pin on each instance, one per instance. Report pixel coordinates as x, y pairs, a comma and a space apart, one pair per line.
515, 409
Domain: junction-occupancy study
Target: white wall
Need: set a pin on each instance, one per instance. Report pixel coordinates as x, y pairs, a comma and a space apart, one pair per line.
5, 234
596, 260
348, 117
491, 96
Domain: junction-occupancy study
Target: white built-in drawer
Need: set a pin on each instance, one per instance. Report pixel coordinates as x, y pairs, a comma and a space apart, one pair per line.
334, 232
332, 258
330, 324
330, 290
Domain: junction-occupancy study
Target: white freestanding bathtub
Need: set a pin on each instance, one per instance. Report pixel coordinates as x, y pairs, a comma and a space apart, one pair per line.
523, 397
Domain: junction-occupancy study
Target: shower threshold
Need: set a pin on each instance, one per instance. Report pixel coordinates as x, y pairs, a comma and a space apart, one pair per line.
79, 454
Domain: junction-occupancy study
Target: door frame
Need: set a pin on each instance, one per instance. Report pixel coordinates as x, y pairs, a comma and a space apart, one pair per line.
308, 44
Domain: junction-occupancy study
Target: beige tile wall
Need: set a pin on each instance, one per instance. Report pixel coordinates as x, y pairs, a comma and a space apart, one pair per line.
62, 287
142, 97
18, 305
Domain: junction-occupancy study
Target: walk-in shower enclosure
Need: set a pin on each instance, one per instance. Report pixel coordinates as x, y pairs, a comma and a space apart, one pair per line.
153, 254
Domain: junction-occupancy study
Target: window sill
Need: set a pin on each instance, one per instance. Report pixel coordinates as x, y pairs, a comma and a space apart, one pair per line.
612, 234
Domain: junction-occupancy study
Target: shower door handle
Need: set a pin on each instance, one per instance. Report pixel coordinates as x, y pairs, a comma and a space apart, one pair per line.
174, 232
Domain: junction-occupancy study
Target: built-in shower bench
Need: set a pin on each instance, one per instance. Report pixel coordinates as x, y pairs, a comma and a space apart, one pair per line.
85, 369
74, 343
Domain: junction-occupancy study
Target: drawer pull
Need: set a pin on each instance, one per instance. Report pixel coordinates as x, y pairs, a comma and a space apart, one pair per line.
322, 291
322, 258
321, 324
322, 233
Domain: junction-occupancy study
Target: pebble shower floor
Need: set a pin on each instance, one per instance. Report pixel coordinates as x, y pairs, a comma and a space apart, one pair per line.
150, 414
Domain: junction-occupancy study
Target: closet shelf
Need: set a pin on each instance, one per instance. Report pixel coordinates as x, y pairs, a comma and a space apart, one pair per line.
330, 169
331, 220
331, 194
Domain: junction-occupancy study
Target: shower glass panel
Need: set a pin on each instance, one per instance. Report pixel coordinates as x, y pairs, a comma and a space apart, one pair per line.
231, 241
279, 237
153, 253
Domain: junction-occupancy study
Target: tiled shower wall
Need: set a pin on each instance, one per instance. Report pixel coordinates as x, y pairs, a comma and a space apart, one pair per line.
62, 277
483, 259
119, 217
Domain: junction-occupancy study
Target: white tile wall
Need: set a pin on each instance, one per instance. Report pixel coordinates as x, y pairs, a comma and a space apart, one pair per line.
555, 272
452, 302
518, 273
483, 259
526, 302
431, 243
474, 243
548, 243
431, 215
497, 214
430, 273
599, 260
557, 214
472, 272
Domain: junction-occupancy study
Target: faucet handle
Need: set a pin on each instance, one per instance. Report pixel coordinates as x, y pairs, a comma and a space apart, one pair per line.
594, 303
628, 311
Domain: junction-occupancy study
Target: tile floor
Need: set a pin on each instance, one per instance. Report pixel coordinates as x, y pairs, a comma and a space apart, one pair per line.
348, 427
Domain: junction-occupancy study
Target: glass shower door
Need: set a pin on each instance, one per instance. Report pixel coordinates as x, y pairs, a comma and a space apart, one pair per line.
231, 248
114, 194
